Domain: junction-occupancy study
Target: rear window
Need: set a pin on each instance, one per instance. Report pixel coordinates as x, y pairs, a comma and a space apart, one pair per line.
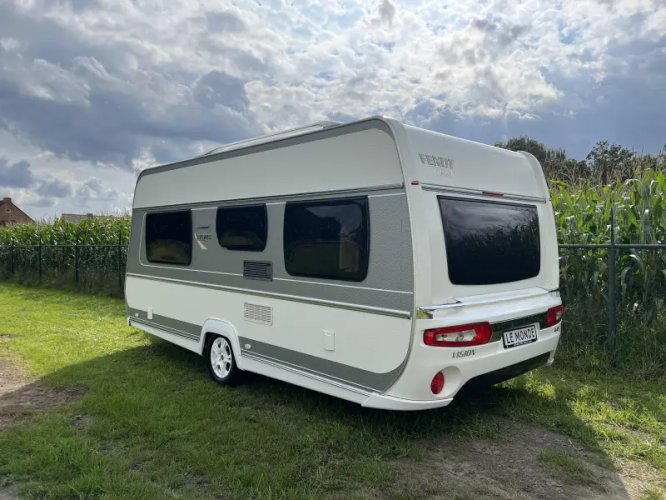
490, 242
169, 237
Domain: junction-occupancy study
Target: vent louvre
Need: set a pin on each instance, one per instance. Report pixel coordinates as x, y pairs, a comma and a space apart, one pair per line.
257, 313
255, 270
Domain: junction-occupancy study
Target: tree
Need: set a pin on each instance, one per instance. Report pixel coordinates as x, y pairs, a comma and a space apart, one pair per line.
555, 163
611, 161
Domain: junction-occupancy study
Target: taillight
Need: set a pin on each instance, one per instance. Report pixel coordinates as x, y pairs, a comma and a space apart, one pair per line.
554, 315
458, 336
437, 383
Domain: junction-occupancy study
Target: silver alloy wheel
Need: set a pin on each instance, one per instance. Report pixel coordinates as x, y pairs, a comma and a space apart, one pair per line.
221, 359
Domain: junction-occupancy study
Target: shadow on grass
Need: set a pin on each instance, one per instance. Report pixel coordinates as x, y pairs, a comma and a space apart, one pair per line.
153, 423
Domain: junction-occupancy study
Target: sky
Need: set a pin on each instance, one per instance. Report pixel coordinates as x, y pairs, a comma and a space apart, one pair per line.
94, 91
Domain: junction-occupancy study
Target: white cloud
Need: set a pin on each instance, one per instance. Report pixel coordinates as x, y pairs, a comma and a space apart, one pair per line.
107, 83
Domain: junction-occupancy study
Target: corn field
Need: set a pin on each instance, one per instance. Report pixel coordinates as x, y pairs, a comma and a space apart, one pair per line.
91, 256
635, 209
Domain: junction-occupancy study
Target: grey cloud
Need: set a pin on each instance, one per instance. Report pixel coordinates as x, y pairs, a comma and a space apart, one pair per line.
387, 12
17, 175
95, 107
225, 21
217, 87
54, 189
499, 32
93, 189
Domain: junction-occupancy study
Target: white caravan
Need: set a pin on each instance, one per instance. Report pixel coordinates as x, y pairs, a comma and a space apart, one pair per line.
372, 261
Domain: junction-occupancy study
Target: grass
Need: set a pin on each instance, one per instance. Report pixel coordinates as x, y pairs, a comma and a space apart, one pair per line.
563, 466
155, 426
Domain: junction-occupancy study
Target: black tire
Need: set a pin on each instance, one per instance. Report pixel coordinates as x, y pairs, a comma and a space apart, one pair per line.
220, 360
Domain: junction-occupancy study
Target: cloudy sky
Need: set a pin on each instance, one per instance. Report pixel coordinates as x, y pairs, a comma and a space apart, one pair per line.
92, 91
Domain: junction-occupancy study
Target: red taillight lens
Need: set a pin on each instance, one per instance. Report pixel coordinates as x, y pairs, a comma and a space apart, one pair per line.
458, 336
554, 315
437, 384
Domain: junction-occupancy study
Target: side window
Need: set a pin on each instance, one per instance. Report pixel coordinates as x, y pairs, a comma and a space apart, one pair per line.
327, 239
169, 237
242, 228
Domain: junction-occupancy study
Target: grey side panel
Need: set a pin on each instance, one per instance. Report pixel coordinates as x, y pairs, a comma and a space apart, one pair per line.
350, 375
389, 284
170, 325
323, 367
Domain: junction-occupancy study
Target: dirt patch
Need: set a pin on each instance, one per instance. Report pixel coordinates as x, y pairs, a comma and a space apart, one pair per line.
519, 465
8, 493
21, 395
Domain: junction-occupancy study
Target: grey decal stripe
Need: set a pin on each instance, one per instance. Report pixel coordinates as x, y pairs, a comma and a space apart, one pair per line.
351, 375
177, 327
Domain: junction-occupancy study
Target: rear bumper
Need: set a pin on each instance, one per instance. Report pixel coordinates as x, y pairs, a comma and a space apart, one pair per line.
494, 377
490, 364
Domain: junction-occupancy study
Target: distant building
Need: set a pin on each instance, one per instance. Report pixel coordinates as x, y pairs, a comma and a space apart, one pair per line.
10, 214
76, 218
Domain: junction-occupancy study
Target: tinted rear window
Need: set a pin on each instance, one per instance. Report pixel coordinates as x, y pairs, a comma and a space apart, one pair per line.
490, 242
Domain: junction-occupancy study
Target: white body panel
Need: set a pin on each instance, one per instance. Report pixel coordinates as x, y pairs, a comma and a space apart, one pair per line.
296, 326
342, 163
367, 343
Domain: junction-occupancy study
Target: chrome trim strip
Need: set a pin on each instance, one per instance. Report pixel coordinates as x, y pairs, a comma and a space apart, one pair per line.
477, 192
293, 298
426, 312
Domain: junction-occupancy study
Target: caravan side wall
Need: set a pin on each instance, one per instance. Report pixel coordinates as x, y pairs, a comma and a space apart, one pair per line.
319, 329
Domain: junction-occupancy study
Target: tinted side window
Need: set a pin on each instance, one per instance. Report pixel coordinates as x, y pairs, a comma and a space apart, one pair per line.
490, 242
242, 228
169, 237
327, 239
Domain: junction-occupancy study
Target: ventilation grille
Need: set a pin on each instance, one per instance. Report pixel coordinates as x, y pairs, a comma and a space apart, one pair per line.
258, 270
258, 314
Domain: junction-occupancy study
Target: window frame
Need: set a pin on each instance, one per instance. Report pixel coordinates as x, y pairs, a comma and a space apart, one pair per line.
237, 248
190, 232
364, 205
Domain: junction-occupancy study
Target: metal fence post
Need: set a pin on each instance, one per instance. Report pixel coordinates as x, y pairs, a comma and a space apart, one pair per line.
39, 254
76, 260
120, 257
612, 311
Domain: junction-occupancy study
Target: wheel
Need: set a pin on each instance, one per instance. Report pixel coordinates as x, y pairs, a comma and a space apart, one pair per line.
220, 360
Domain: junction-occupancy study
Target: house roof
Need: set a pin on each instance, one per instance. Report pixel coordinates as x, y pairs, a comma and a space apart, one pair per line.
5, 217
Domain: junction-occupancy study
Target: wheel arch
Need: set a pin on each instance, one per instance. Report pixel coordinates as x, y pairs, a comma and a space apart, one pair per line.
216, 326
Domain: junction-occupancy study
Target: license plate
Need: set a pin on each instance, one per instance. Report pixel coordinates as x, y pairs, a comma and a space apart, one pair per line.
521, 336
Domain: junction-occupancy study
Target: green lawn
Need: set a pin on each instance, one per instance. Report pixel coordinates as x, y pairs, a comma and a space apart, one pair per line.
152, 424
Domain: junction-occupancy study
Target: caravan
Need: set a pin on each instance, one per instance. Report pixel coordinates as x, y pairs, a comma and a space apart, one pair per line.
373, 261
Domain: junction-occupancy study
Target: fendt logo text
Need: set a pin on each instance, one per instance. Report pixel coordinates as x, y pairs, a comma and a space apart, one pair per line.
445, 164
